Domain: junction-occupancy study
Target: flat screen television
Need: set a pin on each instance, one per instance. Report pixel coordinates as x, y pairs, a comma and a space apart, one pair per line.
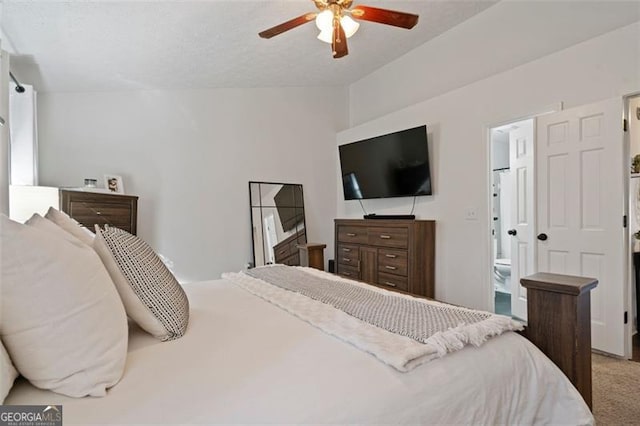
393, 165
289, 203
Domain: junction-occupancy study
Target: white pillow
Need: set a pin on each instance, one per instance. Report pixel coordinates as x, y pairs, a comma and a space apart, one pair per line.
8, 373
47, 225
62, 320
70, 225
152, 296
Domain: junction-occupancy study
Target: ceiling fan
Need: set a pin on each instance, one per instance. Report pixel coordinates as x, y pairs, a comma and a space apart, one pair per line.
336, 25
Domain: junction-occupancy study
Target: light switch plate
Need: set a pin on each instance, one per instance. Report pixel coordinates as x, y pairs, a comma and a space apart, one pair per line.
470, 214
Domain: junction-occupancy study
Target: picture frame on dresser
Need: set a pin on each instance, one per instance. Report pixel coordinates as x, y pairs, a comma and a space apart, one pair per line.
113, 183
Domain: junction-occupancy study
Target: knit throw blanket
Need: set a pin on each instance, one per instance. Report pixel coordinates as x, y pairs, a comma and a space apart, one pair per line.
432, 329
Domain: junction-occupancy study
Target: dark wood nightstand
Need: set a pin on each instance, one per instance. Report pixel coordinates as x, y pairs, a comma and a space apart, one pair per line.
312, 255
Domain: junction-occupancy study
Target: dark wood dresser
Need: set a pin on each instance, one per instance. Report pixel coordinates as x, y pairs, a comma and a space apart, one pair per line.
397, 254
96, 208
286, 251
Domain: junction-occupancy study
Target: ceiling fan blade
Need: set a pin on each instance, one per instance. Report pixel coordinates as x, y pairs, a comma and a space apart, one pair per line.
385, 16
339, 42
286, 26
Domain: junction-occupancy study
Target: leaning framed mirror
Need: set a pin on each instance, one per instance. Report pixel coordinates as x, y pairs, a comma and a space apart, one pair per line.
277, 222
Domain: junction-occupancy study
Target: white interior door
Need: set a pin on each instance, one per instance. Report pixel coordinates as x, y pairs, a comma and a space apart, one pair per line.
522, 232
580, 183
272, 238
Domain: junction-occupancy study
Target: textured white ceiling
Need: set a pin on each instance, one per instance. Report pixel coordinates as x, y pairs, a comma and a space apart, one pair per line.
118, 45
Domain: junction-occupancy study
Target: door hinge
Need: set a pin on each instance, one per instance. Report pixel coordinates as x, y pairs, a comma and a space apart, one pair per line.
626, 317
625, 125
624, 221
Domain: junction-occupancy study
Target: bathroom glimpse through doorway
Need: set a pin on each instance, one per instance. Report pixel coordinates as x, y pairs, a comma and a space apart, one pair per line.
512, 214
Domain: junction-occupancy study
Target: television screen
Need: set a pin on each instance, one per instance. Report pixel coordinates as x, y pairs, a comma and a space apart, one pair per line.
289, 203
393, 165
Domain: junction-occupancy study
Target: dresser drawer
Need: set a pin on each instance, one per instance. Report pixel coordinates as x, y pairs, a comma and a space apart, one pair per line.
281, 252
293, 246
389, 237
91, 225
90, 214
352, 234
393, 261
394, 281
293, 260
88, 208
348, 255
115, 221
286, 251
348, 271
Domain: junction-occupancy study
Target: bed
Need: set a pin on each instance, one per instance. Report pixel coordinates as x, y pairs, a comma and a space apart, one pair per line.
245, 360
99, 325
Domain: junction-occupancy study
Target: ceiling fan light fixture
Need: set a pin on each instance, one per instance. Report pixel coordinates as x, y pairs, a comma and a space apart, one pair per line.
334, 19
326, 36
349, 26
324, 20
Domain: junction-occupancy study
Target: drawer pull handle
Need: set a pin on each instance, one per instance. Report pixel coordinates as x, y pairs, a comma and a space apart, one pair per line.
347, 274
98, 212
350, 234
393, 268
346, 250
390, 284
346, 259
385, 237
391, 256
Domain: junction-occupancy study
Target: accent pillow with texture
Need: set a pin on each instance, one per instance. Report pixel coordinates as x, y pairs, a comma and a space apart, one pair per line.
70, 225
63, 323
152, 296
8, 373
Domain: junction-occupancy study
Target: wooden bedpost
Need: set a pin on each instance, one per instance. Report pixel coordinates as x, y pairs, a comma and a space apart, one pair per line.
559, 323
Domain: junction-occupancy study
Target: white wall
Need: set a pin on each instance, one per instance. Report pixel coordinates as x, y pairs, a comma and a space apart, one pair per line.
499, 149
504, 36
4, 132
634, 126
603, 67
188, 155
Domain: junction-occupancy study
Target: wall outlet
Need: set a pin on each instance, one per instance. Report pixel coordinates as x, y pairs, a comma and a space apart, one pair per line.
470, 214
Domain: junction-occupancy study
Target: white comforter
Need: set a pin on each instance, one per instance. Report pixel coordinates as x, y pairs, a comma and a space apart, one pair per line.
244, 360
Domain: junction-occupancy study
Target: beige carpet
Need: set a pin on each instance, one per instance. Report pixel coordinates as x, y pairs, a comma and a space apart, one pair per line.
616, 391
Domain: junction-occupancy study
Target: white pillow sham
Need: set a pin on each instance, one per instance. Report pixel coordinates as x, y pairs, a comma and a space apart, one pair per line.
70, 225
63, 323
47, 225
151, 295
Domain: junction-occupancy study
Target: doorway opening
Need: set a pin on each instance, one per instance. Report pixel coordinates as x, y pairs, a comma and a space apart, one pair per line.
512, 177
633, 142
